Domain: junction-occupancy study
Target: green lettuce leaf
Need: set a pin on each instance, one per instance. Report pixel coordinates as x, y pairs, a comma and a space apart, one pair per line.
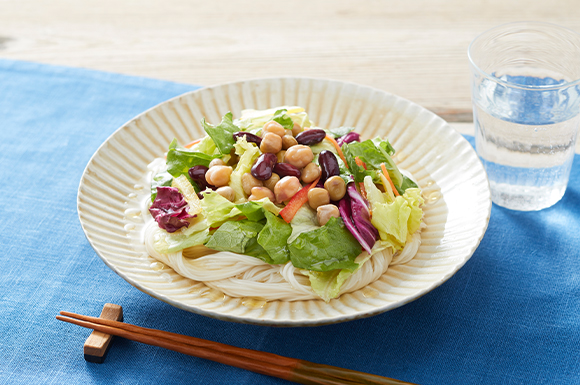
207, 146
273, 238
234, 236
160, 179
340, 131
329, 247
218, 209
180, 160
304, 221
281, 117
327, 284
395, 219
254, 120
248, 153
222, 134
372, 153
165, 242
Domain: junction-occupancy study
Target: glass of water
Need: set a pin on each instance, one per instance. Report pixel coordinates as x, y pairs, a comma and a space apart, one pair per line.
525, 82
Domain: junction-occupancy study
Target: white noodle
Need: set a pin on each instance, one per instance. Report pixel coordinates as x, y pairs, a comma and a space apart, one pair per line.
238, 275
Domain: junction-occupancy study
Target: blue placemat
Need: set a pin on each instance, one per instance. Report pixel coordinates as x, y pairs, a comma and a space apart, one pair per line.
511, 315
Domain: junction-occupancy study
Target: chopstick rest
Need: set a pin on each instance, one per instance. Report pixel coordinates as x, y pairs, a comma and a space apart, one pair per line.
97, 345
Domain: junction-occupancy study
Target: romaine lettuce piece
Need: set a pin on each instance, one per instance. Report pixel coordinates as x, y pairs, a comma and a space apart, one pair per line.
218, 209
372, 154
248, 153
329, 247
180, 160
327, 284
160, 179
207, 146
164, 242
305, 220
222, 134
395, 219
283, 119
340, 131
254, 120
234, 236
273, 238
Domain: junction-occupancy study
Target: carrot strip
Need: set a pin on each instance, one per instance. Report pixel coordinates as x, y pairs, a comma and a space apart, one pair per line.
299, 199
386, 174
361, 185
193, 143
335, 144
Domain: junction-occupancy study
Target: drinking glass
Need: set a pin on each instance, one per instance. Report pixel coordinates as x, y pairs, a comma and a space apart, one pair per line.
525, 82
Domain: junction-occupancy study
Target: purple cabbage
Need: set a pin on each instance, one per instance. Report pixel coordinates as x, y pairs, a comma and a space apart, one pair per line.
355, 213
350, 137
169, 209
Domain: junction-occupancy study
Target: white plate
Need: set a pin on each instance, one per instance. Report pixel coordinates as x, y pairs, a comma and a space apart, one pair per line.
454, 184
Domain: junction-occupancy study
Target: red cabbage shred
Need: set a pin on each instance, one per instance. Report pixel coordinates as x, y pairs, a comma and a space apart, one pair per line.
169, 209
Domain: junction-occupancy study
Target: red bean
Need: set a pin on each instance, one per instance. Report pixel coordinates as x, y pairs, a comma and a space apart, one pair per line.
350, 137
197, 174
249, 137
263, 168
310, 137
286, 169
328, 165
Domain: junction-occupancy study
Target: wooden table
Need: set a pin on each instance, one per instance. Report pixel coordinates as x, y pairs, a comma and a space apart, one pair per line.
414, 48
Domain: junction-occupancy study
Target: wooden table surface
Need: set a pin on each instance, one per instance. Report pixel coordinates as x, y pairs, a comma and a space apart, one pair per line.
414, 48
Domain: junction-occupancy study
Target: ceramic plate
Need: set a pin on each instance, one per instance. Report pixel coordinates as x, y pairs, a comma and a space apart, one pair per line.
454, 184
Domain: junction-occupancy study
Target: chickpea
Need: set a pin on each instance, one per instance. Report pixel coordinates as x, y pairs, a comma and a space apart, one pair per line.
261, 193
299, 156
274, 128
318, 197
289, 132
271, 143
218, 175
280, 156
216, 162
288, 141
296, 129
271, 183
325, 212
249, 182
286, 188
336, 187
310, 173
227, 192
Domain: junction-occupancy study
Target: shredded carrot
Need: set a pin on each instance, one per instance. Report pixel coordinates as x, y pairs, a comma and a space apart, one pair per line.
193, 143
297, 201
338, 149
361, 185
386, 174
360, 162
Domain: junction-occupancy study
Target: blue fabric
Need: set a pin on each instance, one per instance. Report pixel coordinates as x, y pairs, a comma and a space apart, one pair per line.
511, 315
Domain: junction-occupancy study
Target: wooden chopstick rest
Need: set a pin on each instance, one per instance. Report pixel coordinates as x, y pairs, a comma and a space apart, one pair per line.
98, 343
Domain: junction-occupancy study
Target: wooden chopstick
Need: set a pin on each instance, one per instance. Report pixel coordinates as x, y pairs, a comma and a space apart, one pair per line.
291, 369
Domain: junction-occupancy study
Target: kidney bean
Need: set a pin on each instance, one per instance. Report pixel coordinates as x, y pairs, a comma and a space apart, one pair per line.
197, 174
263, 168
286, 169
310, 137
251, 138
328, 165
350, 137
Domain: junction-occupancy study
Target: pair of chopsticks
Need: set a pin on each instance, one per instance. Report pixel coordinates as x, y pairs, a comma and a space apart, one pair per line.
269, 364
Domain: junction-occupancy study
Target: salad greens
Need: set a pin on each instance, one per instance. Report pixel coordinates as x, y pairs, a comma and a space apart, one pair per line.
368, 218
222, 133
180, 160
329, 247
